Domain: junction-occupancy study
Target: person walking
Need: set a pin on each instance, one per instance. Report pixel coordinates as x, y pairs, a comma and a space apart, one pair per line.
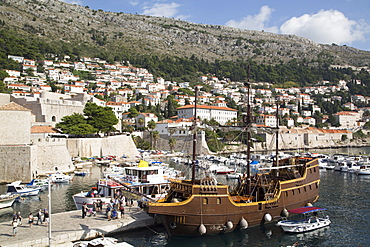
39, 217
46, 216
19, 218
84, 210
30, 219
15, 227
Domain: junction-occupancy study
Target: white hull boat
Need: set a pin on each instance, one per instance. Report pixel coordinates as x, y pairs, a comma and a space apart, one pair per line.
309, 222
364, 170
7, 200
60, 177
17, 188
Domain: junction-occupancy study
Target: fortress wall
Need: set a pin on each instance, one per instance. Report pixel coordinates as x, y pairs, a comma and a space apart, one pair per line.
17, 162
113, 145
15, 127
53, 156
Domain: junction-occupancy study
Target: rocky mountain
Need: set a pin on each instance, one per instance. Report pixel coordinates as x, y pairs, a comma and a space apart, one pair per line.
56, 21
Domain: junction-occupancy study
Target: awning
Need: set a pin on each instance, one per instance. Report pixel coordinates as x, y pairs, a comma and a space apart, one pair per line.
305, 210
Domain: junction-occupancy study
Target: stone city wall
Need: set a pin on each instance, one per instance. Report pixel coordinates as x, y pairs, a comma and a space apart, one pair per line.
17, 162
119, 146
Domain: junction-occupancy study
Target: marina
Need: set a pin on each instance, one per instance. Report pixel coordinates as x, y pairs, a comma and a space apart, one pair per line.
344, 214
339, 203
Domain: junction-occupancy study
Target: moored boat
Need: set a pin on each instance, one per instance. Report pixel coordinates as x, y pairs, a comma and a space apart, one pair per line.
144, 180
310, 221
21, 190
7, 200
60, 177
363, 170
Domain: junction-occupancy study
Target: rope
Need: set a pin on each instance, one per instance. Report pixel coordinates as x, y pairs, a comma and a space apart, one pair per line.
152, 230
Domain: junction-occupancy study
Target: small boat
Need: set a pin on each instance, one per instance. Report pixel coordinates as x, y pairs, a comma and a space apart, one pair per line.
60, 177
6, 200
17, 188
41, 184
310, 220
101, 242
234, 175
81, 172
363, 170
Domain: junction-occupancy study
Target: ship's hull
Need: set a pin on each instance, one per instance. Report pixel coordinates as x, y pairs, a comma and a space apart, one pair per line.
213, 213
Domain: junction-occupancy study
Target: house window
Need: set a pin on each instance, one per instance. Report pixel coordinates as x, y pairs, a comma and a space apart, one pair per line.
218, 201
53, 119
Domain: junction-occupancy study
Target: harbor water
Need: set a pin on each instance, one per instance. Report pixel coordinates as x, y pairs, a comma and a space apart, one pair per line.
346, 197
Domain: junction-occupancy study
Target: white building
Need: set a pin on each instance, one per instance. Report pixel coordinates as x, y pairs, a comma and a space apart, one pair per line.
221, 114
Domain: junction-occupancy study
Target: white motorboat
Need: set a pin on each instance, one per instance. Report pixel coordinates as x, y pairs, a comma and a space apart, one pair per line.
41, 184
364, 170
60, 177
101, 242
6, 200
310, 221
17, 188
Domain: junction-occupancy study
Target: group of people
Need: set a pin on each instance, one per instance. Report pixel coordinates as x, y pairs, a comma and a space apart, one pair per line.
114, 209
42, 218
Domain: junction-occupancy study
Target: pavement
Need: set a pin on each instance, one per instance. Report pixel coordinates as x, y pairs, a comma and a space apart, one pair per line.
69, 226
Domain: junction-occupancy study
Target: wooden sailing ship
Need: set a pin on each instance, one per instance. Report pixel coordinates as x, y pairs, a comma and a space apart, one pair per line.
205, 207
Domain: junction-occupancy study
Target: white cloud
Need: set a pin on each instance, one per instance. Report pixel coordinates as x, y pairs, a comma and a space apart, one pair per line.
255, 22
78, 2
134, 3
162, 9
327, 26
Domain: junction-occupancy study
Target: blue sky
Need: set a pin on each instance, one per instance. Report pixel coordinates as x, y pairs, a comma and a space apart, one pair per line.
344, 22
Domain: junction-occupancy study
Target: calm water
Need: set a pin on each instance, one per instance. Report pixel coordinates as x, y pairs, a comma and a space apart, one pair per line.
346, 196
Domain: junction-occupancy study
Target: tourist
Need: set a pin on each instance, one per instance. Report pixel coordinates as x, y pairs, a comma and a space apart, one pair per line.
30, 219
15, 216
19, 218
46, 216
15, 227
39, 217
122, 210
99, 205
84, 210
109, 213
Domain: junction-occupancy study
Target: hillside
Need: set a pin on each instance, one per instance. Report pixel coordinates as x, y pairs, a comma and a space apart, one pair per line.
120, 35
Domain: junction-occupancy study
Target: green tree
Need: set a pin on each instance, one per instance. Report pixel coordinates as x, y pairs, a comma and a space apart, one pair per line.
75, 124
101, 118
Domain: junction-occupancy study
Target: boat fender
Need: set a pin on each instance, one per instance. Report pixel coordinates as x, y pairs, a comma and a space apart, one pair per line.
229, 225
243, 223
284, 213
309, 205
267, 217
202, 229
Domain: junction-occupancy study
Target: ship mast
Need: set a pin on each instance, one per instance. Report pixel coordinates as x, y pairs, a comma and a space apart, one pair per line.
248, 126
193, 128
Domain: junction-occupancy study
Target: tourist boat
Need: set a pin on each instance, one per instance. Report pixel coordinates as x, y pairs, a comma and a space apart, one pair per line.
151, 182
201, 206
21, 190
7, 200
363, 170
309, 222
60, 177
